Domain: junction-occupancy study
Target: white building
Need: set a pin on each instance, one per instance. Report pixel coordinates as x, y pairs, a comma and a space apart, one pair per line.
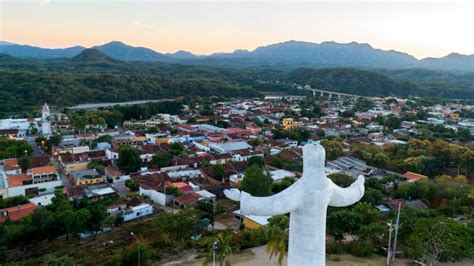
131, 210
229, 147
45, 123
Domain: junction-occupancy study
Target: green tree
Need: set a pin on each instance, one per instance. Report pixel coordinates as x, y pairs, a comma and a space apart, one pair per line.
208, 209
283, 184
464, 134
180, 226
392, 122
368, 213
24, 162
132, 184
256, 182
343, 221
341, 180
161, 159
374, 232
363, 105
415, 190
224, 242
74, 221
362, 248
129, 159
380, 160
333, 149
256, 143
435, 239
257, 160
13, 201
372, 196
99, 167
277, 235
55, 139
105, 138
176, 148
218, 171
130, 255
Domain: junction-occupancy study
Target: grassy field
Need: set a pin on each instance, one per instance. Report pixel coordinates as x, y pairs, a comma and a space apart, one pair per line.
94, 250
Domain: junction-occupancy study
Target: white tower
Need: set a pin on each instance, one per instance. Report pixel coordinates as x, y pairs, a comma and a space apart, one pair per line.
45, 123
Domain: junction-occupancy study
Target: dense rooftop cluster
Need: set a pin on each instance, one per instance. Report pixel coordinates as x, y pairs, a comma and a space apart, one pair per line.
122, 163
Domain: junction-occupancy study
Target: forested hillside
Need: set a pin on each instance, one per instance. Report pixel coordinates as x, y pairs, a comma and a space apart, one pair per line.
94, 77
370, 83
25, 91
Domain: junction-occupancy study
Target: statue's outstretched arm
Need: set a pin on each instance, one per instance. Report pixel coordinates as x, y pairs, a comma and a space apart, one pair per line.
284, 202
342, 197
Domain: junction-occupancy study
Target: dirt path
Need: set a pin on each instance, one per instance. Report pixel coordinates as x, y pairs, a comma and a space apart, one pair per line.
258, 256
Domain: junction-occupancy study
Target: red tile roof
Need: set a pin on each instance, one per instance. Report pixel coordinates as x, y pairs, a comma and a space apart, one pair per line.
11, 164
74, 191
17, 212
18, 180
188, 199
112, 171
39, 161
153, 181
412, 177
181, 186
42, 170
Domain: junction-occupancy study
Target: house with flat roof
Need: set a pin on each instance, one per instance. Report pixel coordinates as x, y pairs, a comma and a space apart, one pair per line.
229, 147
135, 212
87, 177
43, 174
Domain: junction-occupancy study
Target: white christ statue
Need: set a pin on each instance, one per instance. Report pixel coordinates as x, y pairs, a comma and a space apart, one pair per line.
306, 201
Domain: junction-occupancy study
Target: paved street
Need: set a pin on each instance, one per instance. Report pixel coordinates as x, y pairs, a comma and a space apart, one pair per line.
36, 150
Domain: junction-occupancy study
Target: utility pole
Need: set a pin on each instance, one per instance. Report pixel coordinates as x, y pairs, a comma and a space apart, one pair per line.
397, 225
138, 246
389, 242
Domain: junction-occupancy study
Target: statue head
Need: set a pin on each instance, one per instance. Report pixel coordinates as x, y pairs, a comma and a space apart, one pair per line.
314, 157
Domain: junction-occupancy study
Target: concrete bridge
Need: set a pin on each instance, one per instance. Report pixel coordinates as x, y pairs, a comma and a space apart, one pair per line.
333, 93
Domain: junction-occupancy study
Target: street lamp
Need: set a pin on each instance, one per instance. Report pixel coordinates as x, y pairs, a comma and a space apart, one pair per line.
389, 242
215, 247
138, 240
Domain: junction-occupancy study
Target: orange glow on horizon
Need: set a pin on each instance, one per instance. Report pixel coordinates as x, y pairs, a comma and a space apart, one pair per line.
420, 29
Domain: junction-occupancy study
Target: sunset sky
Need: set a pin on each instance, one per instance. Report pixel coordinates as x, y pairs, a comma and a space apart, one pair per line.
421, 29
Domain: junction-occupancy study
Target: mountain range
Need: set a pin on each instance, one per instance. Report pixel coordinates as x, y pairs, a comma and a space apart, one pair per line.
93, 76
285, 55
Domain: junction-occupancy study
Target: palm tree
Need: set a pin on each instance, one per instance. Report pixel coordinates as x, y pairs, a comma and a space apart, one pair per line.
277, 235
224, 249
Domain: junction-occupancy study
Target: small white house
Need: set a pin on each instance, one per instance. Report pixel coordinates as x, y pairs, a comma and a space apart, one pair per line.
206, 195
137, 212
131, 209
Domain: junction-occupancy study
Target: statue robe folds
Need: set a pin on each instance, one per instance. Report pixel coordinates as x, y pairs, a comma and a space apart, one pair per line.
306, 201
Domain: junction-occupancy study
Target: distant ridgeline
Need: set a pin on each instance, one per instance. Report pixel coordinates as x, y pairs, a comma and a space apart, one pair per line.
92, 76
